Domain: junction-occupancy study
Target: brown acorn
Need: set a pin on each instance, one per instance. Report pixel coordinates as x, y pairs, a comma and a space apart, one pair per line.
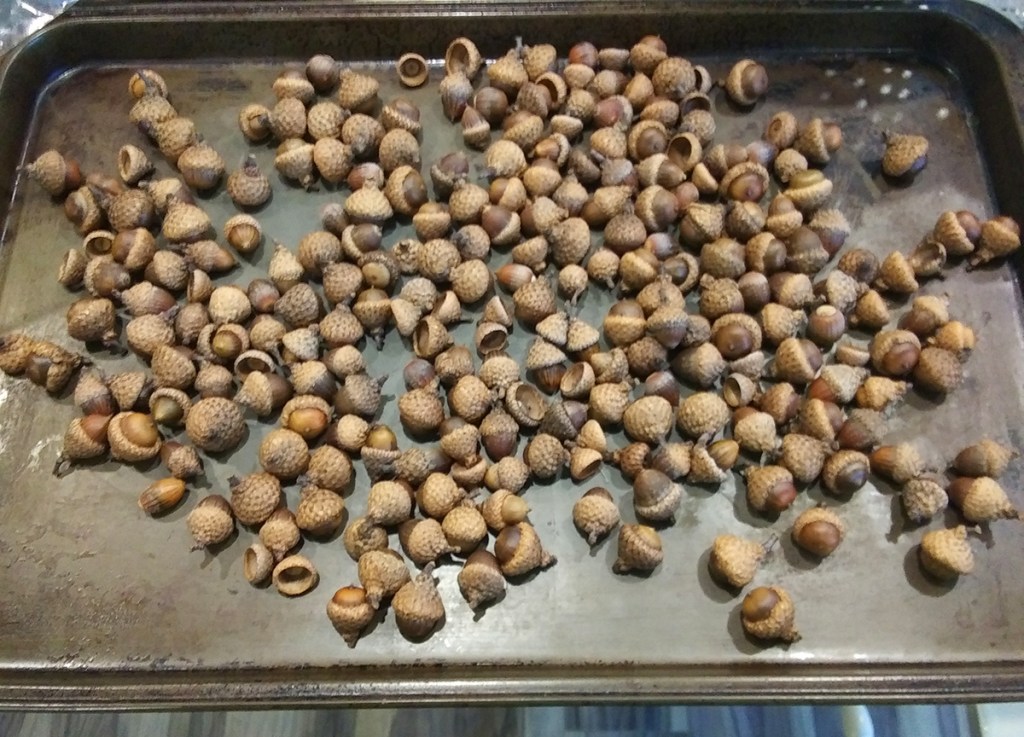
767, 613
879, 393
946, 554
655, 496
938, 371
350, 612
320, 512
480, 580
985, 458
804, 456
734, 560
254, 497
215, 424
133, 437
981, 499
905, 155
85, 438
417, 605
770, 488
819, 531
639, 549
863, 430
923, 499
845, 471
210, 522
519, 550
898, 463
382, 573
895, 352
701, 414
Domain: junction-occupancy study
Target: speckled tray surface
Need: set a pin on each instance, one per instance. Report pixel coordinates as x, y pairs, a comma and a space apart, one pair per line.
104, 606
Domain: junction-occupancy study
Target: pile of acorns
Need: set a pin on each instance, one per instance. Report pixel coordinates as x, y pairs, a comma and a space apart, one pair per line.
617, 141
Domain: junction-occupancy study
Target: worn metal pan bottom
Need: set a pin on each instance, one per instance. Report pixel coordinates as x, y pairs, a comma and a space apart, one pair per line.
103, 607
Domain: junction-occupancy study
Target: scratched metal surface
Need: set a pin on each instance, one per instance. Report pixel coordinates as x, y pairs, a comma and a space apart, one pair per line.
94, 588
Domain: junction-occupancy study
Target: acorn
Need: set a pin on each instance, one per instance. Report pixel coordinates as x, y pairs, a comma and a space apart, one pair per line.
389, 503
770, 488
201, 166
382, 573
905, 155
648, 419
981, 499
736, 335
938, 371
503, 508
182, 461
672, 459
295, 576
215, 424
655, 496
248, 186
863, 430
819, 531
519, 551
210, 522
879, 393
361, 536
923, 499
845, 471
985, 458
254, 497
897, 463
85, 438
928, 258
526, 404
767, 613
958, 232
438, 495
279, 533
534, 301
946, 554
639, 549
417, 605
257, 563
133, 437
755, 431
55, 173
746, 82
710, 463
702, 413
700, 365
545, 456
169, 406
184, 222
480, 580
896, 275
320, 512
734, 560
350, 612
92, 319
464, 528
470, 399
838, 383
895, 352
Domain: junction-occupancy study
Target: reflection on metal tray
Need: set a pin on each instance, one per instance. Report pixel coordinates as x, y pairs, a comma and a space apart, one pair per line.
104, 606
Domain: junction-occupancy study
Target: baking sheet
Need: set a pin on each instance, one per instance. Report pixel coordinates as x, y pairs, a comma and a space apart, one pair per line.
106, 605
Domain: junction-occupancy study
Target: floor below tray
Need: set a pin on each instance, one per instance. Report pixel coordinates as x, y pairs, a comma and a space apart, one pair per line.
752, 721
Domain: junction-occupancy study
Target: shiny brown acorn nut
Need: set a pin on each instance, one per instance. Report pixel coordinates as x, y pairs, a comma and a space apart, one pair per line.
898, 463
639, 549
895, 352
845, 472
819, 531
981, 499
133, 437
767, 613
161, 496
985, 458
863, 430
770, 488
519, 551
946, 554
797, 361
734, 560
746, 82
480, 580
655, 496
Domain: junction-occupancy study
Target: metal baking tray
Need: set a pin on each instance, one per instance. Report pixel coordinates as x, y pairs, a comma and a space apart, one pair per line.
104, 607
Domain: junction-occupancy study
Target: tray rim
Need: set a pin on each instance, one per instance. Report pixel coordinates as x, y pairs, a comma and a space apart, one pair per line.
93, 689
